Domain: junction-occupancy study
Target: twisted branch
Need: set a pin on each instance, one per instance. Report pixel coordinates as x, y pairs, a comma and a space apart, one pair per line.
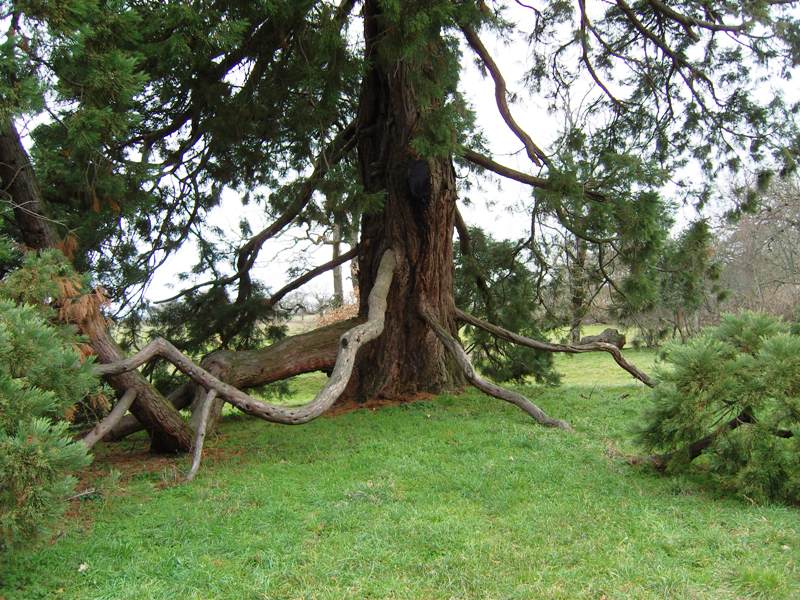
548, 347
349, 344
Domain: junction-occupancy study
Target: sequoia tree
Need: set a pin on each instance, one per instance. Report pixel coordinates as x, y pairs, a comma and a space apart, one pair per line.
154, 108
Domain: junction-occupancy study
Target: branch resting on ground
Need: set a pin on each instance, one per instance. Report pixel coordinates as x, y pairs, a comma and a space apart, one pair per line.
548, 347
349, 344
486, 387
200, 436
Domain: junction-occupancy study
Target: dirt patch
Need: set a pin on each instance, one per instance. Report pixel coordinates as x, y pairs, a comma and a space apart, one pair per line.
375, 404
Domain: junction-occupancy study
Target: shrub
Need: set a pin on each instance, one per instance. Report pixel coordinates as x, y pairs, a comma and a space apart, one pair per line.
732, 396
41, 377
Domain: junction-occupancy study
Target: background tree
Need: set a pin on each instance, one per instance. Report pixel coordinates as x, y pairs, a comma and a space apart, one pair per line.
760, 251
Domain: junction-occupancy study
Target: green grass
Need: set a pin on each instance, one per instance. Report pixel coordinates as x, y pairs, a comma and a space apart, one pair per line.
459, 497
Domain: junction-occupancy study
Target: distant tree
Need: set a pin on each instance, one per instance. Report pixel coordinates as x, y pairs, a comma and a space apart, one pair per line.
759, 250
686, 282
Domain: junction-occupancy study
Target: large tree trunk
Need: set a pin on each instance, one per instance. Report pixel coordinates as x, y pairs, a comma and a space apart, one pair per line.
19, 184
168, 431
417, 223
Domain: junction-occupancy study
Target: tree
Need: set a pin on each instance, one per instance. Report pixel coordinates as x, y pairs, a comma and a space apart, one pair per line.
42, 377
159, 106
759, 250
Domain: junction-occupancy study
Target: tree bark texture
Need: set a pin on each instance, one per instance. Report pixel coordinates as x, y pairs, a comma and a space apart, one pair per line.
408, 358
20, 187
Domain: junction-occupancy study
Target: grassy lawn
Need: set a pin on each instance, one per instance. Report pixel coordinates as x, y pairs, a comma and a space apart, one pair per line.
457, 497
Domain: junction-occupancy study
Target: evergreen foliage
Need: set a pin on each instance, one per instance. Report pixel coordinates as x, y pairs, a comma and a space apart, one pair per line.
510, 285
736, 386
41, 378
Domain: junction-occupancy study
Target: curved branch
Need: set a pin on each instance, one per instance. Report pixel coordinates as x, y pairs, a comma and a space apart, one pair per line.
349, 344
548, 347
486, 387
537, 156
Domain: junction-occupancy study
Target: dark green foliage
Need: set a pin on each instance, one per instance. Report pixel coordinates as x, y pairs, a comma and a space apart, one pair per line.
738, 383
41, 377
510, 303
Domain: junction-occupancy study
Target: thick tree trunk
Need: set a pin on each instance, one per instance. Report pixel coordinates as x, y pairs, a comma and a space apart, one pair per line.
19, 185
168, 431
417, 223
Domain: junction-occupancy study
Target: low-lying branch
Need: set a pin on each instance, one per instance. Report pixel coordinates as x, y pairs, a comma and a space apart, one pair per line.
349, 344
486, 387
107, 424
549, 347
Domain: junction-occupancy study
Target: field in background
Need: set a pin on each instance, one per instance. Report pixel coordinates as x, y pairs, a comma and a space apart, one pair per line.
457, 497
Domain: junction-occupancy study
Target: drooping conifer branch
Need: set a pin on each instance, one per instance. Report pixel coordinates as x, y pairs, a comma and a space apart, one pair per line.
549, 347
487, 387
537, 156
349, 344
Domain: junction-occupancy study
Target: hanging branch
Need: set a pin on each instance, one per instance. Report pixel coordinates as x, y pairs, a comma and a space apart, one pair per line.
548, 347
486, 387
349, 344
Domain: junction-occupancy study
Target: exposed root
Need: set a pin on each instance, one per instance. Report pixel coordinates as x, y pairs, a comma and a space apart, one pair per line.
200, 435
486, 387
349, 344
548, 347
106, 425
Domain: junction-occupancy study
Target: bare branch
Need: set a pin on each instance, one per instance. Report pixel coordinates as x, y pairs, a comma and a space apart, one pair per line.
548, 347
107, 424
200, 435
486, 387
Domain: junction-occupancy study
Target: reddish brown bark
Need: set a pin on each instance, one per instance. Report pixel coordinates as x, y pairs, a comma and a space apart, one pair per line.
408, 358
